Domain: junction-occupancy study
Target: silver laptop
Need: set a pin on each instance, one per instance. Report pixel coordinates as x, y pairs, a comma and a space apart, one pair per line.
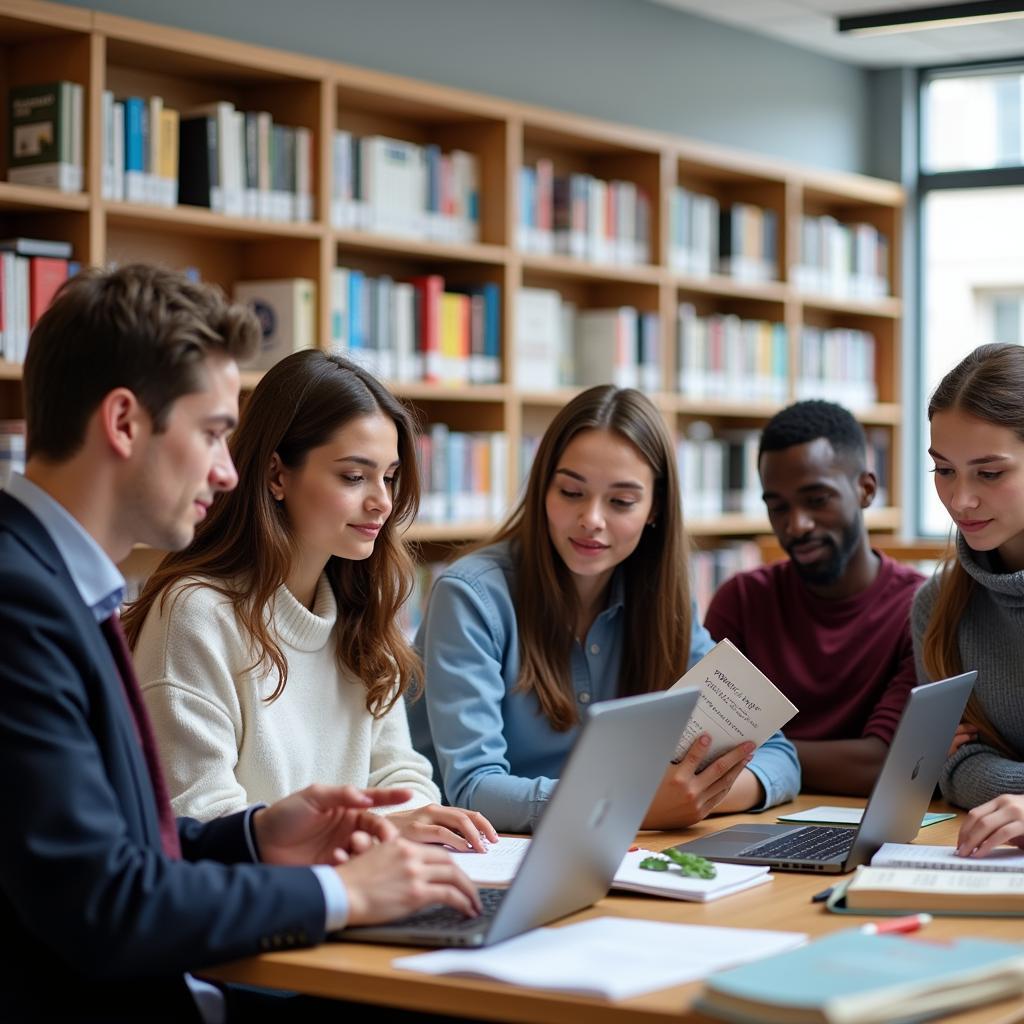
610, 778
900, 797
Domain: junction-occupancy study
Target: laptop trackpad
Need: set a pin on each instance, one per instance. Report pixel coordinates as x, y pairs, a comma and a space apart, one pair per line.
731, 842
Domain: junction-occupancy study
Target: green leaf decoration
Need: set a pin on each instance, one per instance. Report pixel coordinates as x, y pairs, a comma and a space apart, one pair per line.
689, 864
654, 864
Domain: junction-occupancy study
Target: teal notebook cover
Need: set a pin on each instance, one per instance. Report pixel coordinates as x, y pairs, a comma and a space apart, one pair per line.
850, 964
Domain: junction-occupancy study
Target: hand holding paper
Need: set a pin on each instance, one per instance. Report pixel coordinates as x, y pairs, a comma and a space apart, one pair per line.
737, 702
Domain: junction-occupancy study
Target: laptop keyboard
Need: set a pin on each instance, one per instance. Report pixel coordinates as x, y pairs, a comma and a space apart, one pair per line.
816, 843
451, 920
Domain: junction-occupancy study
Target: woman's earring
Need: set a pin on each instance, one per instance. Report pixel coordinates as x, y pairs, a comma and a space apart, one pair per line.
651, 524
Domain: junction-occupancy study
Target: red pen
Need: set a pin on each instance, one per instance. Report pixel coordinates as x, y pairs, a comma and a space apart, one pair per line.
896, 925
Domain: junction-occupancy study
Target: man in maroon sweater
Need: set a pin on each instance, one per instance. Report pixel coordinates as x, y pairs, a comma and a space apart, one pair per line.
830, 625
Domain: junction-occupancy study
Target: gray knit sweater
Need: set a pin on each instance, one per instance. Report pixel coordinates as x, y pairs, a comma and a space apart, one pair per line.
991, 637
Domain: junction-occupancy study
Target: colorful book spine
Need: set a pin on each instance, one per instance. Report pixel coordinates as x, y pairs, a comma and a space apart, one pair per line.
465, 475
837, 364
418, 329
398, 187
582, 216
845, 260
724, 356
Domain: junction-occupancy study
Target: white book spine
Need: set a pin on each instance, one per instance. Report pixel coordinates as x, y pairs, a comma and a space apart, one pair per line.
303, 174
339, 311
21, 308
8, 285
402, 306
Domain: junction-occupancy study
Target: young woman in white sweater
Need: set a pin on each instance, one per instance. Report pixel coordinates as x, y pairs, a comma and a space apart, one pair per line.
268, 652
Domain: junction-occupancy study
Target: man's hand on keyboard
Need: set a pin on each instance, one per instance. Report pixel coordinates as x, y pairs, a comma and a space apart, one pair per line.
394, 879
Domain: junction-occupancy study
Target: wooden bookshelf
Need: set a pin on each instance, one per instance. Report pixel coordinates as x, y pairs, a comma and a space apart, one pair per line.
42, 41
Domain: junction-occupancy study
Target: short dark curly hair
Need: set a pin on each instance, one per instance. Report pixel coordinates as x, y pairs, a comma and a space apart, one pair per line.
809, 420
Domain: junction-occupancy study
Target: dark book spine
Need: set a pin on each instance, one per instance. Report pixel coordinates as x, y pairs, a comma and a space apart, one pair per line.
197, 165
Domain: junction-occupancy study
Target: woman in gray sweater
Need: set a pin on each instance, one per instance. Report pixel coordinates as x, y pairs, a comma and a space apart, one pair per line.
970, 615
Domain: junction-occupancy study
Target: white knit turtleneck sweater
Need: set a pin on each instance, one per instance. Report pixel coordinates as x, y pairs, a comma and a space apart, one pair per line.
224, 747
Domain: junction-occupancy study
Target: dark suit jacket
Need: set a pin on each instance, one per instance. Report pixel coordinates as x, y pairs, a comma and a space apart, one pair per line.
98, 923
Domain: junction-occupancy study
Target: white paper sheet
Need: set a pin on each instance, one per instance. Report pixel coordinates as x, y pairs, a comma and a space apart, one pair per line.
614, 957
498, 865
737, 702
911, 855
826, 814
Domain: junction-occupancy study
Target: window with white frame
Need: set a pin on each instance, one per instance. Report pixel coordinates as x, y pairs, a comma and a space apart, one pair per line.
972, 229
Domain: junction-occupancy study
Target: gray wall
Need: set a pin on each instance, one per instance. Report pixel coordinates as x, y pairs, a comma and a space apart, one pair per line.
630, 61
894, 145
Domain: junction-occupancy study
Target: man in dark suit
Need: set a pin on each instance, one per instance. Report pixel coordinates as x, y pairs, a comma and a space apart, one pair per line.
131, 388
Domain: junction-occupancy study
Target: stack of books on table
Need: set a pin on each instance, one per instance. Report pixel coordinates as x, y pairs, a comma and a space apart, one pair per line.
909, 877
853, 978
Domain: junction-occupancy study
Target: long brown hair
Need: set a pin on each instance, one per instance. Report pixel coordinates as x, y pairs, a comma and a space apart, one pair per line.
657, 588
989, 385
244, 547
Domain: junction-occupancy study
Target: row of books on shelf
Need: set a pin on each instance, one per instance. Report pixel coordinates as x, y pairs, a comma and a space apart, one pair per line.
31, 271
583, 216
426, 330
242, 163
396, 187
464, 476
709, 569
559, 345
723, 355
420, 329
838, 364
740, 240
718, 471
47, 138
236, 162
844, 260
12, 449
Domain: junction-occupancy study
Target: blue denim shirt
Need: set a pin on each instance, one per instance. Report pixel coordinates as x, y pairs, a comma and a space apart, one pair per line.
494, 750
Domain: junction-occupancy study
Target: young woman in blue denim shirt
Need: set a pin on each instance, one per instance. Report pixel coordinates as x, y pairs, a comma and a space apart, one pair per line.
582, 596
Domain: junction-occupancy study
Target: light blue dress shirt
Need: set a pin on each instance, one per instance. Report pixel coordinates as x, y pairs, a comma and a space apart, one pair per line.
102, 587
494, 750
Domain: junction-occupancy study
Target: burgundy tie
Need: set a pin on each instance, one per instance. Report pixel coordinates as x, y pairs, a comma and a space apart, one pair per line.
115, 638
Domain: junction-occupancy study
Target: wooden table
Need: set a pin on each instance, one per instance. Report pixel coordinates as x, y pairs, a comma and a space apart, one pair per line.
363, 973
